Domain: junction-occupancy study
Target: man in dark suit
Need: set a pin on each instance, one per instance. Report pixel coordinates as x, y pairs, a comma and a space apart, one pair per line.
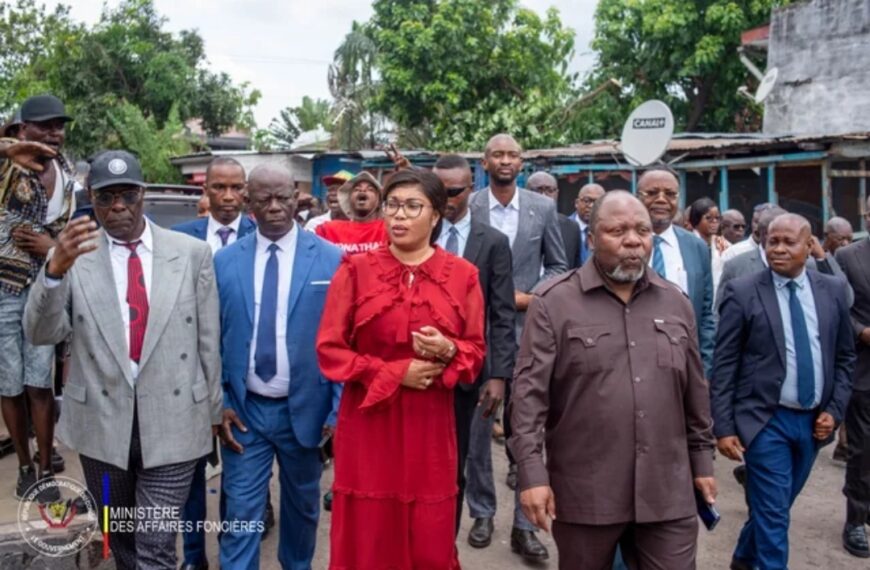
586, 198
546, 185
489, 250
224, 189
774, 408
679, 256
855, 262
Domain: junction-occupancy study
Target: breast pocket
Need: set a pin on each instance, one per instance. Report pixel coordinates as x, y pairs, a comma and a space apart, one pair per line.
672, 342
586, 347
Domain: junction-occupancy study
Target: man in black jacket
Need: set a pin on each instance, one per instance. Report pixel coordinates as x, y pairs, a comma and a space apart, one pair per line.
546, 185
489, 250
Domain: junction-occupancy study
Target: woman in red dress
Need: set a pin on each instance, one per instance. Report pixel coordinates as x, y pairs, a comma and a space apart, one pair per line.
401, 327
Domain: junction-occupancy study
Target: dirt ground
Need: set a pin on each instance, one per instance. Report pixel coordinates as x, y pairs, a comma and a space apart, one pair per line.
817, 521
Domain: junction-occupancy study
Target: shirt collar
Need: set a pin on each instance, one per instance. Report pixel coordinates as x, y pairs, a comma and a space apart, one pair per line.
285, 244
214, 225
669, 236
780, 281
462, 226
513, 204
147, 239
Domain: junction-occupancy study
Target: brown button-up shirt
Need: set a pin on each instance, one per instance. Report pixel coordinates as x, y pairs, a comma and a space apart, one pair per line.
617, 392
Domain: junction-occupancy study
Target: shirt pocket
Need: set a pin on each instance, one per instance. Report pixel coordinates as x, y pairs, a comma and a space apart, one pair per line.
672, 342
585, 344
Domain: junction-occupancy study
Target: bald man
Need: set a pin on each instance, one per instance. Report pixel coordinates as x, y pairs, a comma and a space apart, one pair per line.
599, 344
546, 185
838, 233
775, 407
583, 211
733, 226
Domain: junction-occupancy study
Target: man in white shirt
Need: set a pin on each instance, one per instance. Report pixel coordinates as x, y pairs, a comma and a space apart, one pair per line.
753, 241
143, 397
333, 208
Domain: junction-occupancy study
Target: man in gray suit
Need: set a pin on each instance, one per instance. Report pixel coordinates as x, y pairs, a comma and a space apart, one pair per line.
531, 224
143, 397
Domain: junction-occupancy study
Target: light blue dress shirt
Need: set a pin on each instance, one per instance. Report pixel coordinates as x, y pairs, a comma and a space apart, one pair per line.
505, 219
463, 228
789, 395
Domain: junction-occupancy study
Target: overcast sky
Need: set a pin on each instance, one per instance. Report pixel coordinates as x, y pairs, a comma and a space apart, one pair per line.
283, 48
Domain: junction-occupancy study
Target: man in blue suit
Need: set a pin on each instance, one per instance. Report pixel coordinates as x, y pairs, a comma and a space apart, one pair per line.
774, 407
272, 287
225, 189
679, 256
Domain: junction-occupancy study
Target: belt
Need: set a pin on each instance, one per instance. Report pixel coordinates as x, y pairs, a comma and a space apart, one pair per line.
257, 396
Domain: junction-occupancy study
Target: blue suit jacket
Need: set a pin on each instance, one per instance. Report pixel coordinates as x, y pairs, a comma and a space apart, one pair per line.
199, 226
699, 272
312, 399
750, 353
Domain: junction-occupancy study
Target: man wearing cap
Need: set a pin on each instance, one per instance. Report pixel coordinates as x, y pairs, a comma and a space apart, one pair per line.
36, 200
332, 183
223, 224
143, 398
360, 200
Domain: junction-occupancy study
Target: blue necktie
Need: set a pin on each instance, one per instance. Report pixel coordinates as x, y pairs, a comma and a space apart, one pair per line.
658, 257
803, 353
452, 241
265, 363
584, 245
224, 234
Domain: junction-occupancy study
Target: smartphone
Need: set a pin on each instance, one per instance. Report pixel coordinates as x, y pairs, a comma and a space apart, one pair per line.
708, 513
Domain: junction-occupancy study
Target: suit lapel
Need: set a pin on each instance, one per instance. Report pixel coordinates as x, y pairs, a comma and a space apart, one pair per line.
96, 276
525, 220
767, 294
684, 251
480, 206
245, 273
474, 243
302, 262
246, 226
201, 230
166, 278
821, 295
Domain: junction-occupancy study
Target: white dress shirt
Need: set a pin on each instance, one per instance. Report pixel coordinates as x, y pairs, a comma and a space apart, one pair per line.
212, 237
505, 219
740, 247
119, 255
278, 386
463, 228
675, 270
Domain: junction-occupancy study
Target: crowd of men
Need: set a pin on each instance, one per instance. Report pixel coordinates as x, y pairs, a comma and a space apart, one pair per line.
607, 319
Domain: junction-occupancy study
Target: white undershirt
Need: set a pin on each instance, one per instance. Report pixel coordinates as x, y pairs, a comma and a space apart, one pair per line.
55, 203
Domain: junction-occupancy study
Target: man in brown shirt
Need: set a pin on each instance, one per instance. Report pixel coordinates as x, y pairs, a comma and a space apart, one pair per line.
613, 345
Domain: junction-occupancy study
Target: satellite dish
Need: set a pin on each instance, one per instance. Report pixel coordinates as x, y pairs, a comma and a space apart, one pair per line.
647, 132
767, 84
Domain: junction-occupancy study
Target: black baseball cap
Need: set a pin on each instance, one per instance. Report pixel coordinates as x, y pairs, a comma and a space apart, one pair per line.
115, 168
43, 108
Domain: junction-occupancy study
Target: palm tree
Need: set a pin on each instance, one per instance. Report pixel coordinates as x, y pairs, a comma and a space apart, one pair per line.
352, 85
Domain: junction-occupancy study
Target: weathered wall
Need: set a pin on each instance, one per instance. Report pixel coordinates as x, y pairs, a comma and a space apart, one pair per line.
822, 50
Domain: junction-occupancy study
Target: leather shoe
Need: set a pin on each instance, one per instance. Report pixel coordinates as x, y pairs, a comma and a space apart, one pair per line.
740, 474
268, 520
855, 541
527, 545
203, 566
841, 453
511, 479
480, 534
737, 564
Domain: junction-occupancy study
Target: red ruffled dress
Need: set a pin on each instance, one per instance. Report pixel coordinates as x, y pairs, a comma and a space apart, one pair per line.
395, 484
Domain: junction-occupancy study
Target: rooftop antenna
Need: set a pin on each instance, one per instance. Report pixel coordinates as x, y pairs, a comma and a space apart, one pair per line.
647, 133
766, 81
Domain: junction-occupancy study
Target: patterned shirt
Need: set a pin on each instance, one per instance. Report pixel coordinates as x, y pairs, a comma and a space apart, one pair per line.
24, 202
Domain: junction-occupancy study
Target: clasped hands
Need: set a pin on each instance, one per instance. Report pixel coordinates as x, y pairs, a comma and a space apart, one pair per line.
428, 344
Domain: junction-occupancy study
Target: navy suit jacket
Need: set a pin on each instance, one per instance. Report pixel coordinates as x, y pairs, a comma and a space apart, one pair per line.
313, 400
199, 226
750, 353
699, 272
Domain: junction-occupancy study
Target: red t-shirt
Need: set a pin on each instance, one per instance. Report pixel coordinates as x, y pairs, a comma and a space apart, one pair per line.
354, 237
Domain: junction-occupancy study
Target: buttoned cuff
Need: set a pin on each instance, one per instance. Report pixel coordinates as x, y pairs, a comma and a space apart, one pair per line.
702, 463
532, 474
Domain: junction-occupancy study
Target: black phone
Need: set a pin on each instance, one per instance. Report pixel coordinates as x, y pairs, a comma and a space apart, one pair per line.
708, 513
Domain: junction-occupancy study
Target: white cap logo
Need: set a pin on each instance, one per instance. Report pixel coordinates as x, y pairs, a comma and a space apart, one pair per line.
117, 166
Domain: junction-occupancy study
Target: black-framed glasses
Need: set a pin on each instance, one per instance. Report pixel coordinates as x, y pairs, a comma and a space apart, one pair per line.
107, 199
454, 192
587, 201
411, 209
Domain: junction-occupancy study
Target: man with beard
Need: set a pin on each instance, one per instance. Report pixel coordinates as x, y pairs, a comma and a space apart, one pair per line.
333, 209
599, 344
531, 224
488, 249
36, 201
360, 200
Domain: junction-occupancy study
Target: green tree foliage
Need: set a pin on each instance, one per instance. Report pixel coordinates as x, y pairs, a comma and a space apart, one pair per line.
126, 61
680, 51
293, 121
457, 71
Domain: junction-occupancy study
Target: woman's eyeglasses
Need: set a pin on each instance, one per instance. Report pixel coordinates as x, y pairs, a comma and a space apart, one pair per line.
411, 209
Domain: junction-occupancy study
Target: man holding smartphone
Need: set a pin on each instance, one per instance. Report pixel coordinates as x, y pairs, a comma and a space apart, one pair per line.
36, 200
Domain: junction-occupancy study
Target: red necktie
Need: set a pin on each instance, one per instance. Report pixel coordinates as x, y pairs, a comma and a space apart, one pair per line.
137, 299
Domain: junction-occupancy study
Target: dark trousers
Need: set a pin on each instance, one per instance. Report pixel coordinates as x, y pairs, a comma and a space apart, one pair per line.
195, 511
778, 463
464, 405
506, 422
670, 545
164, 487
857, 489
